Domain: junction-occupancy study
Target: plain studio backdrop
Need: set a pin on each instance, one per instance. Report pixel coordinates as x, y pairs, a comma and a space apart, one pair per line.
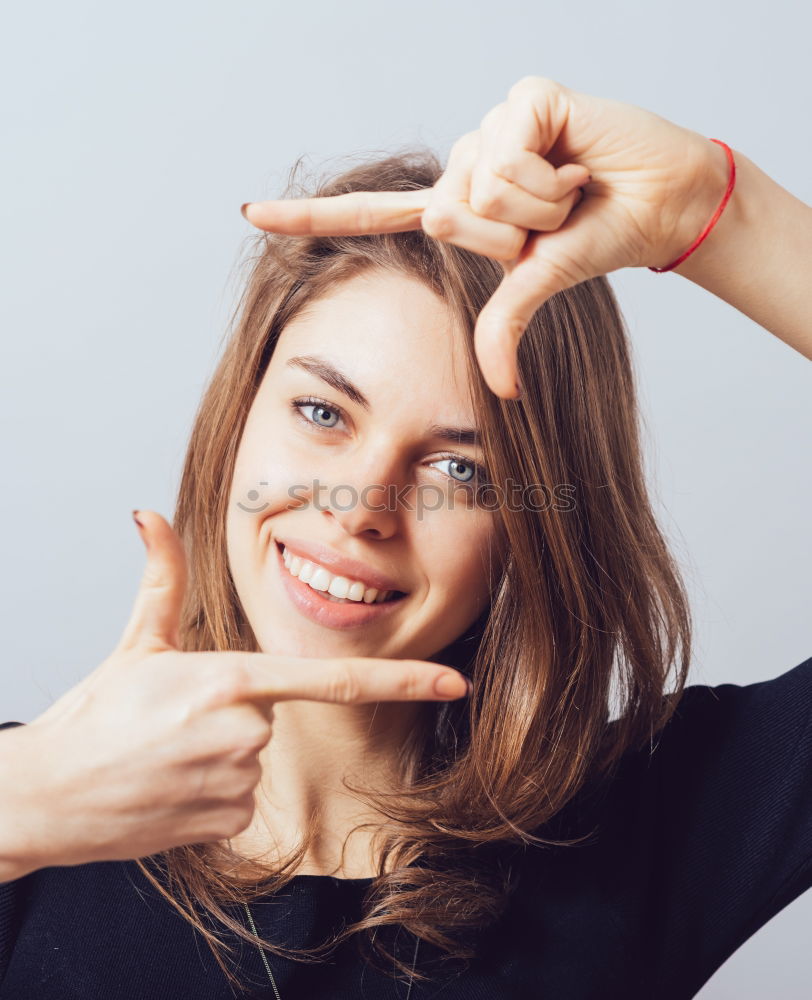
131, 136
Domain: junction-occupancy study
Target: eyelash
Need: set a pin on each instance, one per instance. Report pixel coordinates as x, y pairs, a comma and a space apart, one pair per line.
479, 478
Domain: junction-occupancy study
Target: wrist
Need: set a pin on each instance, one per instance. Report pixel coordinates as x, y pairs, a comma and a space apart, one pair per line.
707, 176
758, 255
720, 241
23, 834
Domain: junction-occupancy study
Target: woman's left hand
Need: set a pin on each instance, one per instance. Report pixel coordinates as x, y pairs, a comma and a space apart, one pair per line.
510, 191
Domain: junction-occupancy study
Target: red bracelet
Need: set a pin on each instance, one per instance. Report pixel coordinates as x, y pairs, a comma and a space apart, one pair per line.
717, 213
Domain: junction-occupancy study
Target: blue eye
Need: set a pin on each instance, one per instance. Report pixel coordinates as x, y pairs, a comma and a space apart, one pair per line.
322, 415
462, 470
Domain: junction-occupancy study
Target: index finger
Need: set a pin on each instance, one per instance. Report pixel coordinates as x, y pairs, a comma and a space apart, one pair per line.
357, 213
347, 680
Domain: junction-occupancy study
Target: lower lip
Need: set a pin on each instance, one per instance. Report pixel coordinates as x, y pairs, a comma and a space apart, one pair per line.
331, 614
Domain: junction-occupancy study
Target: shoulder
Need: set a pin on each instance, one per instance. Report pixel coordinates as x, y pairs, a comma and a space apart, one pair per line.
771, 716
792, 683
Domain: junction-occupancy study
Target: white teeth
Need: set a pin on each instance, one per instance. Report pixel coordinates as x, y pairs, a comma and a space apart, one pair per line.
320, 579
337, 586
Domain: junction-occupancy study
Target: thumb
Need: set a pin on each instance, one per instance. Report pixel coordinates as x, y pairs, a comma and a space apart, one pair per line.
549, 263
155, 618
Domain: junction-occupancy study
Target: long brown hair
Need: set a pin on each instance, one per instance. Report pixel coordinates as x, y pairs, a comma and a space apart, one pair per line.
589, 615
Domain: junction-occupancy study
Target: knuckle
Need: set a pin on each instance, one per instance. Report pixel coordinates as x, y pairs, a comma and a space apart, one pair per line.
494, 115
262, 736
438, 221
504, 166
511, 247
464, 152
228, 683
531, 86
487, 197
205, 831
411, 684
237, 819
363, 212
526, 85
344, 686
466, 143
258, 738
252, 739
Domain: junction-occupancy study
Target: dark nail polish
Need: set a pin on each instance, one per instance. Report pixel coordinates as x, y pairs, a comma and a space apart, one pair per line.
142, 529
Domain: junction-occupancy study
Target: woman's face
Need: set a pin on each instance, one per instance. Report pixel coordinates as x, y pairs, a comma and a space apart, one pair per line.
351, 462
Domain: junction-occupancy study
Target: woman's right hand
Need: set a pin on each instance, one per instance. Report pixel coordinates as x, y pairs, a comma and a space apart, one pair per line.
510, 192
159, 747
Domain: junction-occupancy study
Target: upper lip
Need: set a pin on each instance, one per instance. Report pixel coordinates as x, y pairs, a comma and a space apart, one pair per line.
340, 565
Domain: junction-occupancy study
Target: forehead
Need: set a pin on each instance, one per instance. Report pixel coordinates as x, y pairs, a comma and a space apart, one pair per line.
384, 330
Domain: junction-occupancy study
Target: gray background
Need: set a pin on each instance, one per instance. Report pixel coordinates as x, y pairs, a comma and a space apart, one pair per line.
132, 135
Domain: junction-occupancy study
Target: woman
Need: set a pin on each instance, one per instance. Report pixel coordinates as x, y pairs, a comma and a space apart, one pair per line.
374, 513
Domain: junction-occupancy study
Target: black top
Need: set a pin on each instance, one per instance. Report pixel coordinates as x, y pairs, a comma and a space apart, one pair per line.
700, 843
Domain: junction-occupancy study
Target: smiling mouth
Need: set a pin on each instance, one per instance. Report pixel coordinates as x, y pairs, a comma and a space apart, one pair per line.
333, 587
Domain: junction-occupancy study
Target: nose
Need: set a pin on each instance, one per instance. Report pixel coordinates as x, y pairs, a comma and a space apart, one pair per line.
366, 503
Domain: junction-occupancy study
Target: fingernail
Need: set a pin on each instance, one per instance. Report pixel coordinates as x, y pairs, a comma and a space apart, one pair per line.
448, 685
244, 208
470, 684
142, 526
519, 387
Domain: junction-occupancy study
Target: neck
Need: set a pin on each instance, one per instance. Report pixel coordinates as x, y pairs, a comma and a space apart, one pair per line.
315, 746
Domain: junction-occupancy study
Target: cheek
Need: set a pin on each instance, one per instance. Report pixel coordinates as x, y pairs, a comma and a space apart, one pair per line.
462, 568
265, 483
267, 480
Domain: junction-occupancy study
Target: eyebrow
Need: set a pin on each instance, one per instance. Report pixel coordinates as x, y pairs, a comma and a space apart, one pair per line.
327, 372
